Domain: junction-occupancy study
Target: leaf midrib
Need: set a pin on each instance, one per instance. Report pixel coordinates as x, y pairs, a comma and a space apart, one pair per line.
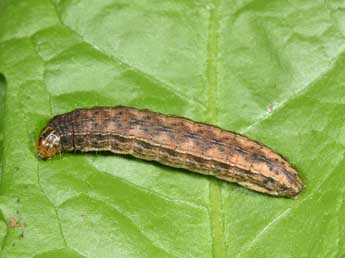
215, 194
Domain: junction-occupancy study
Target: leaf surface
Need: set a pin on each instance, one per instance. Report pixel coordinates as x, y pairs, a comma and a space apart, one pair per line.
273, 70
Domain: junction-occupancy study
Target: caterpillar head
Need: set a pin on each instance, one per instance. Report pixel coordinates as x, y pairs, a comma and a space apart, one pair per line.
48, 144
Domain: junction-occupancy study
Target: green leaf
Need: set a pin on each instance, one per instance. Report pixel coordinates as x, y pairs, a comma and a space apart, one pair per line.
273, 70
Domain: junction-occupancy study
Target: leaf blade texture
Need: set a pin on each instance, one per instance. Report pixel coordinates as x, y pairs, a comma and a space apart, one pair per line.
270, 69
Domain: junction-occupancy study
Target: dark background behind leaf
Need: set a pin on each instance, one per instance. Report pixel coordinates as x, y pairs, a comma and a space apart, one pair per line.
273, 70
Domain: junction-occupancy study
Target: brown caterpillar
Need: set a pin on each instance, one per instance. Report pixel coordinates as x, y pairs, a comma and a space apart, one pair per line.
173, 141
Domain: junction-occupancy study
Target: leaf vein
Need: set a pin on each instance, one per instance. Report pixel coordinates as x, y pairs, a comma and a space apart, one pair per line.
146, 75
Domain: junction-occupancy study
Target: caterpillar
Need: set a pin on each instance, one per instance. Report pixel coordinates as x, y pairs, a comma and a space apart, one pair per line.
174, 141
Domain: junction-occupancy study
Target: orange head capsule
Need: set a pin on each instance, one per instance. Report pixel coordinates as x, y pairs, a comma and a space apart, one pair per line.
48, 144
